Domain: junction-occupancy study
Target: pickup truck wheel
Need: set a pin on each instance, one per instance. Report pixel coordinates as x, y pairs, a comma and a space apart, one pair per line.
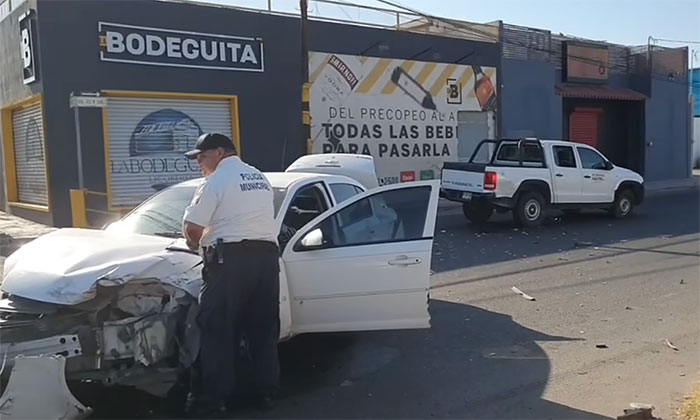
623, 205
477, 213
530, 209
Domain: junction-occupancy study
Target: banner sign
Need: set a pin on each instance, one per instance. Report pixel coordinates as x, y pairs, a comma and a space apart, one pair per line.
404, 113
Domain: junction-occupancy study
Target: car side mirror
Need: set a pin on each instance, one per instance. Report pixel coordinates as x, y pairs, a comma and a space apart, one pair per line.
609, 165
313, 239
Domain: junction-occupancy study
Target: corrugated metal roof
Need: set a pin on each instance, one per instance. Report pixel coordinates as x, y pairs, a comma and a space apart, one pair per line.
599, 92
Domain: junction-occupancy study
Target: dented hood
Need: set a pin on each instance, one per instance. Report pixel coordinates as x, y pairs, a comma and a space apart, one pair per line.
64, 266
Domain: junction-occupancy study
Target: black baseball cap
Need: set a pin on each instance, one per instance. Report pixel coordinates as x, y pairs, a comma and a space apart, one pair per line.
210, 141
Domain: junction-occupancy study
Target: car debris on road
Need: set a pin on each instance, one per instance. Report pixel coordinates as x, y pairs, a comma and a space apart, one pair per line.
521, 293
671, 346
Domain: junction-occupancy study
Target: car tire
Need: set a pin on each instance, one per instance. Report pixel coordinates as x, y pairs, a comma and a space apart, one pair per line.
623, 204
530, 209
477, 213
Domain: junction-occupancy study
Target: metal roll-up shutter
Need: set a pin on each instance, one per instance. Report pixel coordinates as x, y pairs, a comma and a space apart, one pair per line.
583, 127
30, 162
147, 138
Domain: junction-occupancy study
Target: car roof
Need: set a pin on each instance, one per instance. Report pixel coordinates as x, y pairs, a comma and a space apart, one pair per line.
286, 179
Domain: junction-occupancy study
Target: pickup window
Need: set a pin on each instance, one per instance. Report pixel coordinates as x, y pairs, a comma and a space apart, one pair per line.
564, 156
591, 159
508, 154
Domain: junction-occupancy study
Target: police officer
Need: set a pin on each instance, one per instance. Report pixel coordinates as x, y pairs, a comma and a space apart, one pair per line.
231, 221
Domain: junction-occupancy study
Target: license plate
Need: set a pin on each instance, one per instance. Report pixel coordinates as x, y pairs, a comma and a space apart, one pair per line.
466, 196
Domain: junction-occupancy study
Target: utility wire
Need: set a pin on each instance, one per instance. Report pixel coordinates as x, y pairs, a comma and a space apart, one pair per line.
469, 30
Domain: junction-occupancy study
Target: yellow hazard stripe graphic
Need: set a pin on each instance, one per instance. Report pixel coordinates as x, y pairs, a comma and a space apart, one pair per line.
440, 83
319, 69
425, 73
368, 82
390, 86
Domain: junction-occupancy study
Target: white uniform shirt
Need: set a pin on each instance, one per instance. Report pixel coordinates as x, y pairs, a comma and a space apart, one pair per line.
234, 203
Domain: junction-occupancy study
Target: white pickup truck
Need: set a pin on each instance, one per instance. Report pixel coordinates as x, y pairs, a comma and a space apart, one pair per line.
530, 176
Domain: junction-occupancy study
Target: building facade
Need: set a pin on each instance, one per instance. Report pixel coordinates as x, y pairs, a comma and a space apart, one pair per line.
148, 78
135, 85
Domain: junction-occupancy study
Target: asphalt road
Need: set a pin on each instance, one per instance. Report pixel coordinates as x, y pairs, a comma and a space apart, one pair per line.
629, 285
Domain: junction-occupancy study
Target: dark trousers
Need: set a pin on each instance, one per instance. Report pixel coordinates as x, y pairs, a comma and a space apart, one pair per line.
239, 295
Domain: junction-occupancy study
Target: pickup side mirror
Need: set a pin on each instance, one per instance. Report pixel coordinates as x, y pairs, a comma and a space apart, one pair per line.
609, 165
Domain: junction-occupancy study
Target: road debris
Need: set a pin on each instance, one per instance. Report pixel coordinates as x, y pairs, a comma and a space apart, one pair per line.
583, 372
670, 345
681, 374
346, 383
629, 308
682, 281
605, 282
601, 346
563, 259
521, 293
608, 261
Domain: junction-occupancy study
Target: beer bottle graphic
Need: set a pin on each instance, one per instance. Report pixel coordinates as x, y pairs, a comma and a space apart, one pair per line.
484, 90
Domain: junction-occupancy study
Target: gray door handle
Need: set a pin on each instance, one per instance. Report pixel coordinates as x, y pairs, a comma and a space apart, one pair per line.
560, 175
404, 260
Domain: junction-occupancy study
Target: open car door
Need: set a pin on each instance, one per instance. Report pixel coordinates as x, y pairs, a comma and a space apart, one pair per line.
365, 264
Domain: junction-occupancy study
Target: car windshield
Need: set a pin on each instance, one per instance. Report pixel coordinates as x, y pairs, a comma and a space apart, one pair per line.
161, 215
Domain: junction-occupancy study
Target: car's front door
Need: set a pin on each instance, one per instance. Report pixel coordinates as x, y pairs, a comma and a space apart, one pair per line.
365, 264
598, 181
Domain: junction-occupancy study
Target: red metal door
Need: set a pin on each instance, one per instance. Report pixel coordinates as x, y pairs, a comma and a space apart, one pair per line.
584, 126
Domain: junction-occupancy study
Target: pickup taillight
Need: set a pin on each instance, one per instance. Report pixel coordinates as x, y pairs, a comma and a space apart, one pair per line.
490, 181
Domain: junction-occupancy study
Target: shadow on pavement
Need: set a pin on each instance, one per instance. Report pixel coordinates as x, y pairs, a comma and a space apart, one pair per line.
460, 244
472, 363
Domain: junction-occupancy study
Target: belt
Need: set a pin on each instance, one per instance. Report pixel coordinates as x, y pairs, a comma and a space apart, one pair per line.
246, 243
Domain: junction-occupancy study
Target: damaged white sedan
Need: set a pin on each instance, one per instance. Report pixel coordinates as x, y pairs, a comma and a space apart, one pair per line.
118, 305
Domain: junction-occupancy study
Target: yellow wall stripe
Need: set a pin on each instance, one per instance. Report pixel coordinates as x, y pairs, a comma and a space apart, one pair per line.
319, 69
390, 86
368, 82
425, 72
440, 82
465, 79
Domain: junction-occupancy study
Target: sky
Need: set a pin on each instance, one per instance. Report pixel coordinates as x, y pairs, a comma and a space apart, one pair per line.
628, 22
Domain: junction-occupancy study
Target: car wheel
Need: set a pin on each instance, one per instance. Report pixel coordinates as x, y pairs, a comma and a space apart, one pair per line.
530, 209
477, 213
623, 204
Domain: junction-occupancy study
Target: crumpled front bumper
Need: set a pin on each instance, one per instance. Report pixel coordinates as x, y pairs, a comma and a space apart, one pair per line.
49, 398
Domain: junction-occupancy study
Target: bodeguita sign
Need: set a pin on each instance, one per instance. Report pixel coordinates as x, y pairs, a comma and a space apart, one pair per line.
168, 47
